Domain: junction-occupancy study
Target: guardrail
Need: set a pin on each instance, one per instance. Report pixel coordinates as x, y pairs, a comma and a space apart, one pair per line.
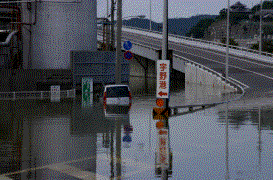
204, 41
35, 95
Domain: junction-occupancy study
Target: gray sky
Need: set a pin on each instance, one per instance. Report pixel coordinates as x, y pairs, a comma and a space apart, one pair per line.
177, 8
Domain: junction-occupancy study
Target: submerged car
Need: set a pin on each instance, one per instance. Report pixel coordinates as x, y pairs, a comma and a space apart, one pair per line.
117, 100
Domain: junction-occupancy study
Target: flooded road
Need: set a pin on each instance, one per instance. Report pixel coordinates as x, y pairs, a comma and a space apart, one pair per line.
64, 140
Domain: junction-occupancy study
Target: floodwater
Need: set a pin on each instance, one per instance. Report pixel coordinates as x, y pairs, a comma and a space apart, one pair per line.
66, 140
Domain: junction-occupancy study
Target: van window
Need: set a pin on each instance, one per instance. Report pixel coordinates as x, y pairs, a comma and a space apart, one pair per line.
120, 91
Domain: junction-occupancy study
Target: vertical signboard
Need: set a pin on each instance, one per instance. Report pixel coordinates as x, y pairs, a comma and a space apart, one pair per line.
163, 78
87, 91
55, 93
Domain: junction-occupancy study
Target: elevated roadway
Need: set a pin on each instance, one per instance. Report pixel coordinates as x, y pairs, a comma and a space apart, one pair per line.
255, 72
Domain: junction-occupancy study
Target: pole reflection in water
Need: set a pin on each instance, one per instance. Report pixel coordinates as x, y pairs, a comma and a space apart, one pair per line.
226, 117
260, 141
117, 116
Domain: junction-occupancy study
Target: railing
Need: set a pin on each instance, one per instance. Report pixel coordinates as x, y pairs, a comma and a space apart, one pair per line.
204, 41
35, 95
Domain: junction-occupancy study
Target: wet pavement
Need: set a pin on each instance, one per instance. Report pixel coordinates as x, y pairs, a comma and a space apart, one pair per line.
64, 140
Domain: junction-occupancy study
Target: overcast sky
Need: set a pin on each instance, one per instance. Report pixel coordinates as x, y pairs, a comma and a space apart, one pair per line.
177, 8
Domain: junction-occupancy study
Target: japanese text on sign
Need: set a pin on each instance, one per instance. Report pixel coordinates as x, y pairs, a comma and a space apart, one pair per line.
163, 74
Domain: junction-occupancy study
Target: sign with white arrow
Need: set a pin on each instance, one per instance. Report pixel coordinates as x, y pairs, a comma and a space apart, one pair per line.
163, 78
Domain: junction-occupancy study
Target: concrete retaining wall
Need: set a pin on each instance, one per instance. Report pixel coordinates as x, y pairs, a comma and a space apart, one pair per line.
198, 75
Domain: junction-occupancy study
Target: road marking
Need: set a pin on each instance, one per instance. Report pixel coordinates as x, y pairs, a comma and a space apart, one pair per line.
5, 178
42, 167
231, 66
76, 172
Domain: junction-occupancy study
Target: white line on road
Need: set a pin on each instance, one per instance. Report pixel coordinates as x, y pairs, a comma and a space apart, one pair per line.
5, 178
76, 172
42, 167
231, 66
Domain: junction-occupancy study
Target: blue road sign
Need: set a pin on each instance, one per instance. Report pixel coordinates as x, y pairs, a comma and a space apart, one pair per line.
127, 45
128, 55
127, 138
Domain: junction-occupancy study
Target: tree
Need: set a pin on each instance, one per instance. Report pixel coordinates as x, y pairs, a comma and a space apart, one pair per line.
267, 46
231, 41
199, 29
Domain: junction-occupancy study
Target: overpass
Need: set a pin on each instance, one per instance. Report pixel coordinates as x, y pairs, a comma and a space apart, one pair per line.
247, 69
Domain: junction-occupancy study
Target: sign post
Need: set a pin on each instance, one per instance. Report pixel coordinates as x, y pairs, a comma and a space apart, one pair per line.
162, 112
163, 79
87, 91
55, 93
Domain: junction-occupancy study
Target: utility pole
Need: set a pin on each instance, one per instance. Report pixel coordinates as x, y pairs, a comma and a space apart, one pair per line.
164, 57
118, 50
112, 25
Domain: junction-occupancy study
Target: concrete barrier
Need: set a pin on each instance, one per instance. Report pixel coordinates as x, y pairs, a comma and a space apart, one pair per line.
199, 75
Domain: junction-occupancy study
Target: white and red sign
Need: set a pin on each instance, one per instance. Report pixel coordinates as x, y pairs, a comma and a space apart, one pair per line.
163, 148
55, 93
163, 78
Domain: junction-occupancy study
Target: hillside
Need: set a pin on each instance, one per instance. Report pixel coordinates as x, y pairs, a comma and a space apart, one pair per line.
179, 26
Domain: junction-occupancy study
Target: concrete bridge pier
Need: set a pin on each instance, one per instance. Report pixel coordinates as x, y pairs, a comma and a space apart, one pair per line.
143, 75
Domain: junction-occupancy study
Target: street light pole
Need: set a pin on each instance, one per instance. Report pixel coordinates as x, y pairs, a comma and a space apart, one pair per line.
227, 43
118, 49
260, 45
150, 15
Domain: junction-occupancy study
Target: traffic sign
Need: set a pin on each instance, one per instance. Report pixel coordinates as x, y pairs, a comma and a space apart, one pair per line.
161, 113
55, 93
87, 92
128, 55
87, 84
163, 78
159, 124
127, 45
159, 102
127, 138
87, 99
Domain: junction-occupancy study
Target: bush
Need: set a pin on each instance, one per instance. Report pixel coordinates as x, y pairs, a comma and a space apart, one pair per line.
231, 41
267, 46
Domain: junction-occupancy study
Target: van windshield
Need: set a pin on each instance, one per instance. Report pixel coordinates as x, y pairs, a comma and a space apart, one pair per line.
120, 91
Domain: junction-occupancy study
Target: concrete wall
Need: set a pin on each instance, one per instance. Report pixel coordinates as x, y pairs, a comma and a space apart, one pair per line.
200, 76
27, 80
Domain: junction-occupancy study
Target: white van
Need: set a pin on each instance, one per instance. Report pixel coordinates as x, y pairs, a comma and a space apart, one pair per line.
117, 95
117, 100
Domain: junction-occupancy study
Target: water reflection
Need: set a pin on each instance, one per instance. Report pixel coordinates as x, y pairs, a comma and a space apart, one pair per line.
240, 117
47, 140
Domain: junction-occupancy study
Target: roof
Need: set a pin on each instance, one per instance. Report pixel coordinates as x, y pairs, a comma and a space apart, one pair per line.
115, 85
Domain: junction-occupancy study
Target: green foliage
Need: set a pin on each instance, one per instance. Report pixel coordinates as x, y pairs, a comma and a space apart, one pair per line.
231, 41
199, 29
267, 46
222, 14
267, 5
